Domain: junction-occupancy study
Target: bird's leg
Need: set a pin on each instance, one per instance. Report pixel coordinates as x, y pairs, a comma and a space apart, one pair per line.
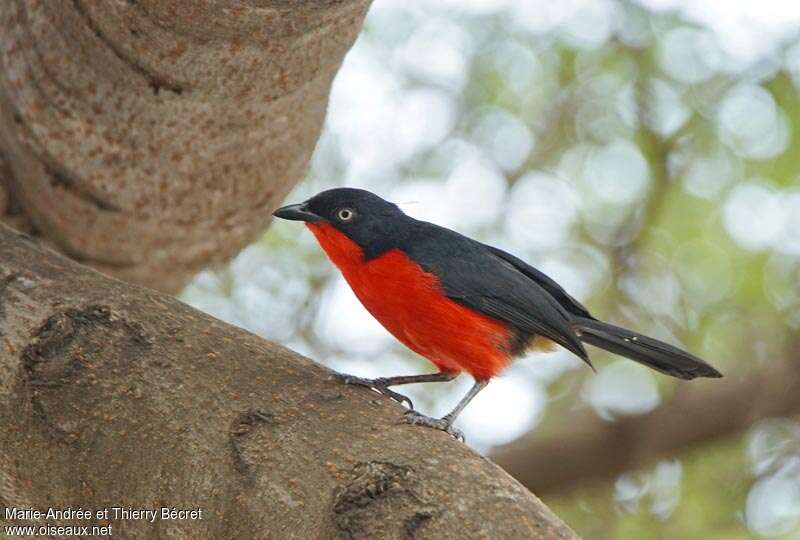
382, 384
445, 423
412, 379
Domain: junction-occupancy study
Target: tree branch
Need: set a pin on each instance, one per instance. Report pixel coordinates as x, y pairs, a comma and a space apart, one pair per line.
151, 139
593, 448
116, 395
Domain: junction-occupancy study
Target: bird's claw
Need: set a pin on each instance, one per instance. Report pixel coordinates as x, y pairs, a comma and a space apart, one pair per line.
400, 398
374, 384
443, 424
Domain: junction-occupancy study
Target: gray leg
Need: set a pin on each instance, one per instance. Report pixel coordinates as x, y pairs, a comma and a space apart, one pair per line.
412, 379
445, 423
382, 384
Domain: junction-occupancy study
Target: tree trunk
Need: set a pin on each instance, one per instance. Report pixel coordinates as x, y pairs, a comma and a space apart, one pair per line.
152, 138
593, 448
116, 395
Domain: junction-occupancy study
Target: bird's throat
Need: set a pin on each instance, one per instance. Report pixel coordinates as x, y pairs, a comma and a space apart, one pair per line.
342, 251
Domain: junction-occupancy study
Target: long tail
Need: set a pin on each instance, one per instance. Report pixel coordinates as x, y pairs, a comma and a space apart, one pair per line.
648, 351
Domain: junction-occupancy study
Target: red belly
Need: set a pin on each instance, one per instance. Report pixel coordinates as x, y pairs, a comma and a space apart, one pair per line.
410, 304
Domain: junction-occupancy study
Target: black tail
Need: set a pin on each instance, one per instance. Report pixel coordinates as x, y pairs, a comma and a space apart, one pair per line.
648, 351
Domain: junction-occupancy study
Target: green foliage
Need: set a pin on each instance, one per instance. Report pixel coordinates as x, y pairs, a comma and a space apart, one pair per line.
712, 493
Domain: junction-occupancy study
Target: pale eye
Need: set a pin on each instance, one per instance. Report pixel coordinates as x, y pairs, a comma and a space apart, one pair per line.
345, 214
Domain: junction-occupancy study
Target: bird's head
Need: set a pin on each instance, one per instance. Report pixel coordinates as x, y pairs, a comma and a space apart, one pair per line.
365, 219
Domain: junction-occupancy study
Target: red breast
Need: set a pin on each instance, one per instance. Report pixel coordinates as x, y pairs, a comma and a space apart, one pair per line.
411, 305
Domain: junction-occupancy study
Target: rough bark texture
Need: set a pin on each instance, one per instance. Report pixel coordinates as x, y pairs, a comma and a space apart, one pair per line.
112, 394
152, 138
593, 448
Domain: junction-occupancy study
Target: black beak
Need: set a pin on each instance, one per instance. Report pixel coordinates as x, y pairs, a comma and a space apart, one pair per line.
296, 212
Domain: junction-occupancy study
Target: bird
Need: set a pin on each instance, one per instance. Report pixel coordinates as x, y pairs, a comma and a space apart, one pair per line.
463, 305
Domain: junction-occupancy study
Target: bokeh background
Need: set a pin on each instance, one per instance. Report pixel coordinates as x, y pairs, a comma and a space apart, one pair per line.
642, 153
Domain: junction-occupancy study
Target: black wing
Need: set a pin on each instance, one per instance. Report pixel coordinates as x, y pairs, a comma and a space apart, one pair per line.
474, 276
555, 290
651, 352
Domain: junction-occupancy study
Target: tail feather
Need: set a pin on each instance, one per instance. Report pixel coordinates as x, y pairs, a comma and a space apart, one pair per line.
651, 352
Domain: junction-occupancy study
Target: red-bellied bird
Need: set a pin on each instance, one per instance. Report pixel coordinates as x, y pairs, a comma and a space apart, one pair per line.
462, 304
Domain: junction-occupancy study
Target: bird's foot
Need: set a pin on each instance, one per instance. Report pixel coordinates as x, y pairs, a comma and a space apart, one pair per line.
378, 384
444, 424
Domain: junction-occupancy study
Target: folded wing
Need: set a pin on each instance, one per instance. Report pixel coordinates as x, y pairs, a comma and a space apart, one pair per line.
475, 277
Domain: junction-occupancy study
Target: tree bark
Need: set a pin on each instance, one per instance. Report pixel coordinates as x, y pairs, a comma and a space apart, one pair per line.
116, 395
593, 448
152, 138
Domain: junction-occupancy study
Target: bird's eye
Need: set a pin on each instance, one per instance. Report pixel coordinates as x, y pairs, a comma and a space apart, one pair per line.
345, 214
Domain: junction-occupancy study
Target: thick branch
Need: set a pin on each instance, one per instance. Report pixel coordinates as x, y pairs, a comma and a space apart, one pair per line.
111, 395
593, 448
151, 139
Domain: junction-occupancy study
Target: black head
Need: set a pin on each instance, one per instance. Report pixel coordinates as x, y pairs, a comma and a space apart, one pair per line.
365, 218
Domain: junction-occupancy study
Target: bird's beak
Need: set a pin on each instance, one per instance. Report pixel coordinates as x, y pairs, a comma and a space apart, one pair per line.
296, 212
